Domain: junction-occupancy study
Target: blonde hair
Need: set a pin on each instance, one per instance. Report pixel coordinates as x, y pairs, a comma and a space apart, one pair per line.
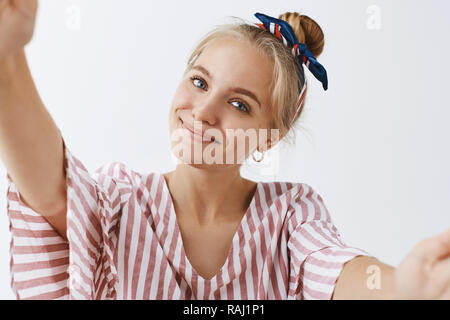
286, 79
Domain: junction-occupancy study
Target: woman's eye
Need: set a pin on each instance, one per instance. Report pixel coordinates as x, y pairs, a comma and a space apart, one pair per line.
200, 83
197, 80
241, 106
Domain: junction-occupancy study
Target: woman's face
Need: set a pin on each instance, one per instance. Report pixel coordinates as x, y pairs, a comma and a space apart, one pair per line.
228, 88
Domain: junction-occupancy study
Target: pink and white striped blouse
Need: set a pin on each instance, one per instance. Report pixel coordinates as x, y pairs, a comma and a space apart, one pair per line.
124, 243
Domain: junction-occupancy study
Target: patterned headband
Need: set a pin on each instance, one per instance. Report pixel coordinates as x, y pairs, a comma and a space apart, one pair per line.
283, 31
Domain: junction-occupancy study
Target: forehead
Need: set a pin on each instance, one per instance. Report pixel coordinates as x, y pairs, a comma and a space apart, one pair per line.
236, 63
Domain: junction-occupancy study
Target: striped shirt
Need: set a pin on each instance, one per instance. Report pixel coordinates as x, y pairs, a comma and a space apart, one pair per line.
123, 242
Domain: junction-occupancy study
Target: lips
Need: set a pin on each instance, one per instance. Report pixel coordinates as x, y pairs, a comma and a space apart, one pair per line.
198, 133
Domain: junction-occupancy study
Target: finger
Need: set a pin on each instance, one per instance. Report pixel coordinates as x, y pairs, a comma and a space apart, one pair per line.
439, 273
436, 247
443, 244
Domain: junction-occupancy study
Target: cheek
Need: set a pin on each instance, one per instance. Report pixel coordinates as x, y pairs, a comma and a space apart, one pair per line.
182, 98
241, 140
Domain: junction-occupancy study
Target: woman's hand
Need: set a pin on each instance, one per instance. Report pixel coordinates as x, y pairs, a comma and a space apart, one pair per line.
17, 19
425, 272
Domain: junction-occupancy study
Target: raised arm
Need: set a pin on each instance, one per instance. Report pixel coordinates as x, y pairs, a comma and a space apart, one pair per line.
31, 147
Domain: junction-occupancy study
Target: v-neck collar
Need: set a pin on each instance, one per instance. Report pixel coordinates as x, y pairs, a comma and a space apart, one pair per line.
172, 219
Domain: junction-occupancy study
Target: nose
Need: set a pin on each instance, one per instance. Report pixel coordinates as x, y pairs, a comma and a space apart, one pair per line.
206, 109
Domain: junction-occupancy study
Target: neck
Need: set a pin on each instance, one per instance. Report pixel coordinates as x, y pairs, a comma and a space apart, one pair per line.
210, 195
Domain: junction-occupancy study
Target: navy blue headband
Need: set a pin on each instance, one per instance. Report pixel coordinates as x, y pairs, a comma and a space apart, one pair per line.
283, 31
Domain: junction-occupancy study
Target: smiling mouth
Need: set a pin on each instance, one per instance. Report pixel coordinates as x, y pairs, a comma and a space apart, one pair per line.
198, 135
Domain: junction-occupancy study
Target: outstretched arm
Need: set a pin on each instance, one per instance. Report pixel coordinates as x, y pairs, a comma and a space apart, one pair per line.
423, 274
31, 146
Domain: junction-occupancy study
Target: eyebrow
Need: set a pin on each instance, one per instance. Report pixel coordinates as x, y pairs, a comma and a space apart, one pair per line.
234, 89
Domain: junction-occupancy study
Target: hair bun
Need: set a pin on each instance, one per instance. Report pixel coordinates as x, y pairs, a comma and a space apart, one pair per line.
307, 31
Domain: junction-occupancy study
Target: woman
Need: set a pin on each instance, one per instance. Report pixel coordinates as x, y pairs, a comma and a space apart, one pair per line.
201, 231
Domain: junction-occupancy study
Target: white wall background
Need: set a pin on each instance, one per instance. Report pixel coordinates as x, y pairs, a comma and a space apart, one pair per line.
378, 144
